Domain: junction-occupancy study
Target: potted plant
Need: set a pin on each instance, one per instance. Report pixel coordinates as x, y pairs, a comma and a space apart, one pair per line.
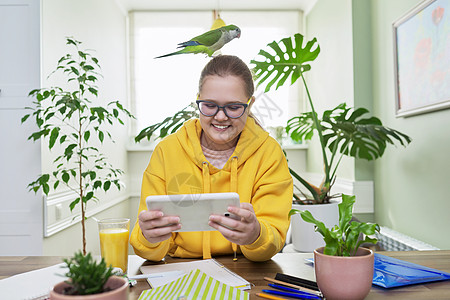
341, 131
67, 116
89, 280
344, 270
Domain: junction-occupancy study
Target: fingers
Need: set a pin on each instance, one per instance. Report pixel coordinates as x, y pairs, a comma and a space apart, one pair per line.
243, 231
156, 227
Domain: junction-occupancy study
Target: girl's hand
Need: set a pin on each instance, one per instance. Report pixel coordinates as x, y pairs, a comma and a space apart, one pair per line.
156, 227
242, 232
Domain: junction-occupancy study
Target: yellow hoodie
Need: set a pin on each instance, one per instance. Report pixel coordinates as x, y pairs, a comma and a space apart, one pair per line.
257, 170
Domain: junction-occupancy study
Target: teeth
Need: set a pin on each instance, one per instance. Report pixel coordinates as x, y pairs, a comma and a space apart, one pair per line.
220, 127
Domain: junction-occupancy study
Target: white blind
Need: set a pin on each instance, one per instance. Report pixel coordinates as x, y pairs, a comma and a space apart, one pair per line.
161, 87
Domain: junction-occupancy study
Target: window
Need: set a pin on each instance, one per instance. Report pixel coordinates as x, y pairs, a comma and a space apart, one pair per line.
161, 87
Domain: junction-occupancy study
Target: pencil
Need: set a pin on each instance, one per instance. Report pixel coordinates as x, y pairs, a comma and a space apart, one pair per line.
302, 289
267, 296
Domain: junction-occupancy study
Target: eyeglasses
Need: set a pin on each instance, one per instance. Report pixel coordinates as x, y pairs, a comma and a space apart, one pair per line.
231, 110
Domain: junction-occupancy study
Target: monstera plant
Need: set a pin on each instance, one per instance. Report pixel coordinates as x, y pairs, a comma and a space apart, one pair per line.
341, 130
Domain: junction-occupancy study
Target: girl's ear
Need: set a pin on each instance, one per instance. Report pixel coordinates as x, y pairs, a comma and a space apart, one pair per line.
252, 101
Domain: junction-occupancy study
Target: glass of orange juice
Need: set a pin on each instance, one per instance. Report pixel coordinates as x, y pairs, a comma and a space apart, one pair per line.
114, 235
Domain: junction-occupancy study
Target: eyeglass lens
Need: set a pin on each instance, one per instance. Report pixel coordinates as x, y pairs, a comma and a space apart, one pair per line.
231, 110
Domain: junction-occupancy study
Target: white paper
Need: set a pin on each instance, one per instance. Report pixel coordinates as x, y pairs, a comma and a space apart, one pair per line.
209, 266
33, 284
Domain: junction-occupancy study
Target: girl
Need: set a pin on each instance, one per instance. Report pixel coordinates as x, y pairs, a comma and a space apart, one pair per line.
225, 150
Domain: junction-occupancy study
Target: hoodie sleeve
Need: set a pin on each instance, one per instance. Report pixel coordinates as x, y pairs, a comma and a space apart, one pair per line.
272, 201
153, 183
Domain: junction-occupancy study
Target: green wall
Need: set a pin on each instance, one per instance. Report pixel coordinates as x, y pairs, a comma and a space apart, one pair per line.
411, 183
330, 80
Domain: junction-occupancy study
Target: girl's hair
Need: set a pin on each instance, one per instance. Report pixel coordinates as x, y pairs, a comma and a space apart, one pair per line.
226, 65
230, 65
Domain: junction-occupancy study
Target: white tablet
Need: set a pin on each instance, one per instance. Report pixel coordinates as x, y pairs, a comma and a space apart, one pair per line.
194, 209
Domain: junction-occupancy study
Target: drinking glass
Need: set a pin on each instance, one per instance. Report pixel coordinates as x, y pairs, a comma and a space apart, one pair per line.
114, 234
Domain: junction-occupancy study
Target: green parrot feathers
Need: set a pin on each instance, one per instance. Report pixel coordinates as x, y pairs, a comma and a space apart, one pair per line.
208, 42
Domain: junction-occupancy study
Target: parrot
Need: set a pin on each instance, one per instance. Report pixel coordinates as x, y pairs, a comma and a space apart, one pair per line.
208, 42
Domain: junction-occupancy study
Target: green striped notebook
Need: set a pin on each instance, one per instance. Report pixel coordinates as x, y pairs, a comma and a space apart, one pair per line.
195, 285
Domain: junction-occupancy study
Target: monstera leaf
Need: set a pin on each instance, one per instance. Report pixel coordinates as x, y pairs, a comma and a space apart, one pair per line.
170, 124
357, 136
301, 128
292, 62
348, 132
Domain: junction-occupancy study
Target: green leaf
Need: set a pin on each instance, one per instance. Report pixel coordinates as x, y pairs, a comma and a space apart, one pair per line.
72, 41
55, 185
169, 124
24, 118
74, 203
53, 136
87, 134
291, 62
346, 211
65, 177
81, 54
44, 179
97, 184
62, 139
75, 71
88, 68
101, 136
69, 149
45, 189
93, 91
106, 185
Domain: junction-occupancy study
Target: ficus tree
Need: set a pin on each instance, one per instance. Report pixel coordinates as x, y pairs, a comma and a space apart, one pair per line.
69, 117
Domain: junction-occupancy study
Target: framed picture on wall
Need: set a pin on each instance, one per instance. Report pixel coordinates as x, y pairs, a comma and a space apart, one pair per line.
422, 58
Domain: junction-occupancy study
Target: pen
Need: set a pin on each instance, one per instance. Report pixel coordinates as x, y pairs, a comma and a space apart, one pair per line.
156, 275
297, 281
267, 296
294, 286
280, 287
293, 295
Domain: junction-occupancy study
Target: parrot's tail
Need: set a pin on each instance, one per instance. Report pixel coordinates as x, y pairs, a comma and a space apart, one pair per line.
170, 54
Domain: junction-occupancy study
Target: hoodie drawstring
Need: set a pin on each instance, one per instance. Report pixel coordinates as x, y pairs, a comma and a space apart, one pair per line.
206, 189
234, 188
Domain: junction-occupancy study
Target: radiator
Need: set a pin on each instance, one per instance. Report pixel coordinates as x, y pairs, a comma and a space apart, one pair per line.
391, 240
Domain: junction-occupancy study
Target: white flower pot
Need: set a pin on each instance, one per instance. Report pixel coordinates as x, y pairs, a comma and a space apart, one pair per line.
304, 238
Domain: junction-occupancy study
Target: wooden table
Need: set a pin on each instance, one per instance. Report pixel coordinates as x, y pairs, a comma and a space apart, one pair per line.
288, 263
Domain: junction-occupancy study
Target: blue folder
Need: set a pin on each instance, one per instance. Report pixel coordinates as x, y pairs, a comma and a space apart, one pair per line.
392, 272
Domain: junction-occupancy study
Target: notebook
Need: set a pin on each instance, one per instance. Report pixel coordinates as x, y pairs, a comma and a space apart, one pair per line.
194, 285
210, 267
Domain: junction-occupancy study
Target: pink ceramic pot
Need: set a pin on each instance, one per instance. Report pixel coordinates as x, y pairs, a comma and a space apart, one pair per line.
118, 285
344, 278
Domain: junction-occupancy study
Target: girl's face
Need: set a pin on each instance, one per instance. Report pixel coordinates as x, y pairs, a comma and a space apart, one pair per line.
219, 131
